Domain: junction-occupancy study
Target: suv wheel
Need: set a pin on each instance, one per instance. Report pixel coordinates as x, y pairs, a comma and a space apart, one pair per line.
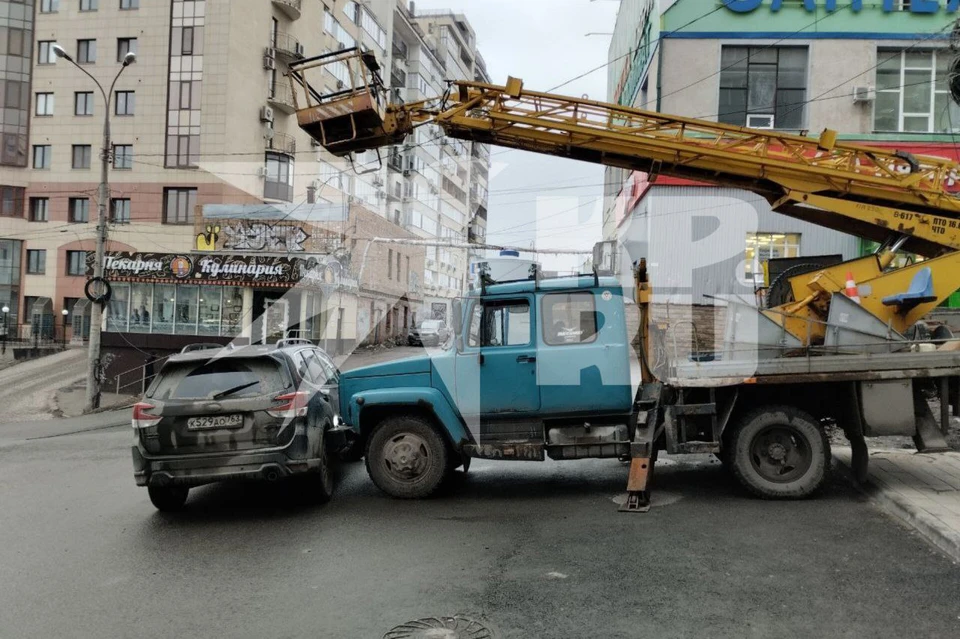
168, 498
407, 458
317, 486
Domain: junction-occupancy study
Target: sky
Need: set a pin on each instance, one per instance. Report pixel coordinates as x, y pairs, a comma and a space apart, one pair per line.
538, 200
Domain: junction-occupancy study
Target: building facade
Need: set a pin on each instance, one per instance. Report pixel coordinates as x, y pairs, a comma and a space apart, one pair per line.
876, 71
205, 118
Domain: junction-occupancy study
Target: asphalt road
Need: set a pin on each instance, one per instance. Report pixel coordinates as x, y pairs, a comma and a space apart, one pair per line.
537, 550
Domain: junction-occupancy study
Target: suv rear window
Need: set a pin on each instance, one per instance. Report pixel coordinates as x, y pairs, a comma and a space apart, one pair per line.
203, 380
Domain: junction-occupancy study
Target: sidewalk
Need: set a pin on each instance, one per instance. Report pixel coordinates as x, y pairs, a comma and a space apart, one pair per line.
921, 489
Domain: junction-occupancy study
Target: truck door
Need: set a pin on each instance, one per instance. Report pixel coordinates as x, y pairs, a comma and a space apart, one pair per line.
497, 368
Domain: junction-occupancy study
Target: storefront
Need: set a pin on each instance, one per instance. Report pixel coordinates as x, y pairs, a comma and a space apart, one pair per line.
160, 302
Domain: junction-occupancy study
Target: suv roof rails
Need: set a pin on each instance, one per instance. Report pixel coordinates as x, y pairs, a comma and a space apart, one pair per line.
201, 346
291, 341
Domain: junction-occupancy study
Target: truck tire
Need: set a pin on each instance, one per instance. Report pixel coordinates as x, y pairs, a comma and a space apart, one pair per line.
407, 458
779, 452
168, 498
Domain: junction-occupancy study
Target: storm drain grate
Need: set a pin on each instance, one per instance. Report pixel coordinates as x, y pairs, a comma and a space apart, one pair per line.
457, 627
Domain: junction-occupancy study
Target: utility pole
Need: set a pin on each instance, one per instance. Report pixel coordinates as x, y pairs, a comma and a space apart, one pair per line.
96, 312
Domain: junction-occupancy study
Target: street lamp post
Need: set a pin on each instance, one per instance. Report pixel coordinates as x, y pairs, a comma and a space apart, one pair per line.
96, 313
5, 309
65, 314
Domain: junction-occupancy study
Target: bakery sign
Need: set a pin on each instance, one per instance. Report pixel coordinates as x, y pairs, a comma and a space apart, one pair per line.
249, 270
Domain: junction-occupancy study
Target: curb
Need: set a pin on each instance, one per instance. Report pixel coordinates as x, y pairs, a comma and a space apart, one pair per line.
945, 539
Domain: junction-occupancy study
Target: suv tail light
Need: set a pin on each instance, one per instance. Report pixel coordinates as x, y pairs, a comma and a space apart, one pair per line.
294, 405
142, 418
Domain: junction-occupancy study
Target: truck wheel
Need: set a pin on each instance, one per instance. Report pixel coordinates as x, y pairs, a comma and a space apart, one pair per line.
407, 458
779, 452
168, 498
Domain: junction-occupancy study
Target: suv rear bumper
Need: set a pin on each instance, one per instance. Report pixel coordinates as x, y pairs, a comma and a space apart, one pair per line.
194, 470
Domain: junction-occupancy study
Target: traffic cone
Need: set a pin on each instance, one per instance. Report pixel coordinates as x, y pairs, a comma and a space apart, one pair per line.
851, 290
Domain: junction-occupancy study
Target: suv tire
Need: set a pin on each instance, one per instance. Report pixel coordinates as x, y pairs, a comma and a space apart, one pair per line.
168, 498
407, 458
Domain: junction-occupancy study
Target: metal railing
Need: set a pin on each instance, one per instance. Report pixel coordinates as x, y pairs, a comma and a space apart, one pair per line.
34, 336
282, 143
287, 45
280, 95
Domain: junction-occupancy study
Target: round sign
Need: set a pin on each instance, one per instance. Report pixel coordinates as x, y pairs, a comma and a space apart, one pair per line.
607, 296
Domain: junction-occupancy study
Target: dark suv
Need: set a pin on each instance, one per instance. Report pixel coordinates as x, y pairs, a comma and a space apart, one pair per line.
255, 412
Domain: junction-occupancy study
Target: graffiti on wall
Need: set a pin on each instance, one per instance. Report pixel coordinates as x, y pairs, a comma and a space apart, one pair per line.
439, 310
254, 236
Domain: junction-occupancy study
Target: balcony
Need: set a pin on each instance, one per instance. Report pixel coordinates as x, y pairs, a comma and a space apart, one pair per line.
290, 7
281, 143
280, 96
287, 46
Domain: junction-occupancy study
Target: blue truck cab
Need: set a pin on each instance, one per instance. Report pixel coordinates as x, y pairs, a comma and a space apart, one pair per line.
534, 368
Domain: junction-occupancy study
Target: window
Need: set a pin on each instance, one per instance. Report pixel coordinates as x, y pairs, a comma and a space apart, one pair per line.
86, 51
36, 262
186, 41
41, 156
129, 4
49, 6
39, 209
398, 266
389, 264
569, 318
45, 54
76, 262
278, 184
11, 201
123, 156
766, 246
769, 81
81, 156
28, 302
186, 91
120, 210
501, 323
44, 104
913, 93
183, 150
126, 103
125, 46
83, 103
79, 209
178, 205
88, 5
14, 90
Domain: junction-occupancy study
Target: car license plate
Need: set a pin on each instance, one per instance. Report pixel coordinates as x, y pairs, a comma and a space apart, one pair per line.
215, 421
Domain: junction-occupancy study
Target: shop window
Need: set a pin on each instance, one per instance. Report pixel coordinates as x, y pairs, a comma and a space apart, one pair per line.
141, 301
231, 311
118, 309
763, 86
569, 318
767, 246
164, 308
210, 307
913, 92
187, 308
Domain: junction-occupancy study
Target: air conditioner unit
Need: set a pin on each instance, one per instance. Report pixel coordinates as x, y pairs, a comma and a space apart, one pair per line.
407, 173
270, 52
266, 114
864, 94
262, 172
758, 121
377, 180
339, 84
381, 194
298, 50
269, 63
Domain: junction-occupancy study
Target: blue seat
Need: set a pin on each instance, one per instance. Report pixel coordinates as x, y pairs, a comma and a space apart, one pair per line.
920, 292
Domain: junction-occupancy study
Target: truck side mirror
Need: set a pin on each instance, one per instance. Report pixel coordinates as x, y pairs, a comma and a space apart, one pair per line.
457, 316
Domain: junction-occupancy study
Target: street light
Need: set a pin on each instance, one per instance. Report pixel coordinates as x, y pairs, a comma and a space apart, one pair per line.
65, 313
5, 309
96, 313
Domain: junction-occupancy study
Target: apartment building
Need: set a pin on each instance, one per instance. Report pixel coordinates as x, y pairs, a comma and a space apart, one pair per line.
202, 122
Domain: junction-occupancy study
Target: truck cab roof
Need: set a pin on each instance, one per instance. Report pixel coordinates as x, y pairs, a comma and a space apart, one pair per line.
580, 282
